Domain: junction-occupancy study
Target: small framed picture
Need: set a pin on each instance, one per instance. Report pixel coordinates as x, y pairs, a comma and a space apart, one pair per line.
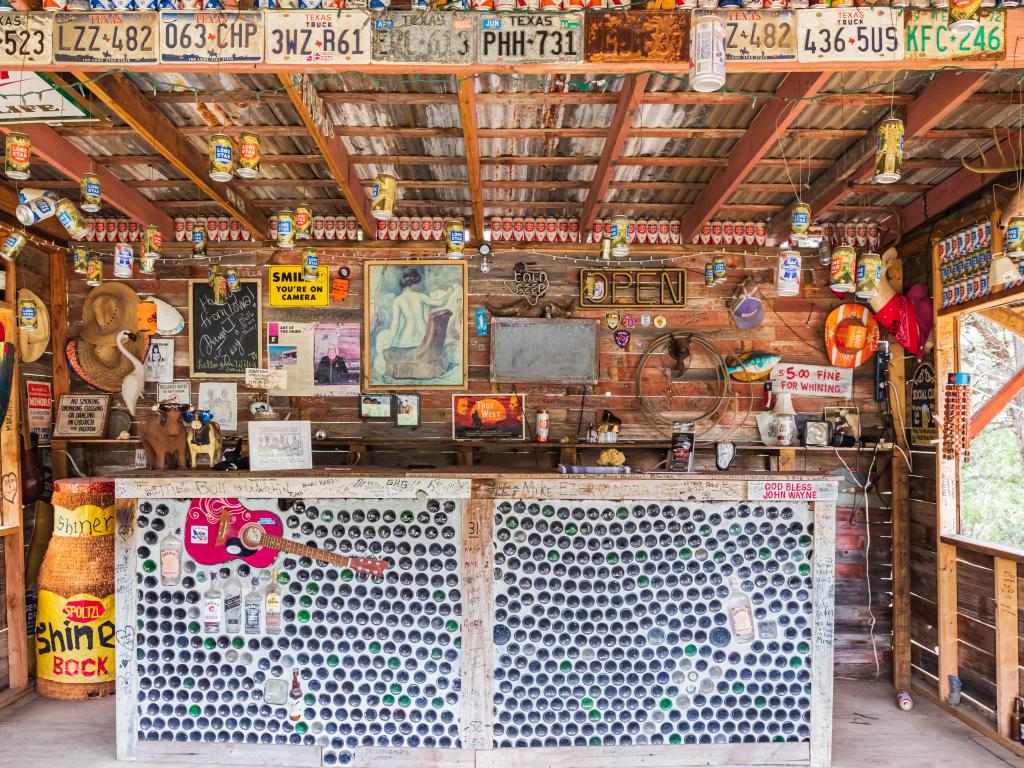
374, 407
407, 410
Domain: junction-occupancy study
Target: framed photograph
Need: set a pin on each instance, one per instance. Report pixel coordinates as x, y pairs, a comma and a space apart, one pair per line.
335, 359
407, 410
82, 416
160, 361
488, 417
278, 445
414, 329
374, 407
221, 400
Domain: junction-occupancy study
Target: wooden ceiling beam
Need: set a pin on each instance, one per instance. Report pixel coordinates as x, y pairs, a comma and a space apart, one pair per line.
940, 98
471, 140
761, 137
336, 157
160, 160
123, 99
631, 96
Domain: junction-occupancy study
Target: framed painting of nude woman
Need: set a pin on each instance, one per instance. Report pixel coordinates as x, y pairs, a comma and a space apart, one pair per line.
414, 325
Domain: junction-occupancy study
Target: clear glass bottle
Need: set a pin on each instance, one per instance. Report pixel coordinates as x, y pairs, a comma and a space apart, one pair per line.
253, 609
170, 559
272, 612
233, 605
740, 614
295, 698
213, 607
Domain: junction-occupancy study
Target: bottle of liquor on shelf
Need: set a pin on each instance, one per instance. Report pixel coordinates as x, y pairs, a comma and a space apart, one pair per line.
740, 614
295, 698
233, 605
170, 559
253, 609
213, 607
272, 611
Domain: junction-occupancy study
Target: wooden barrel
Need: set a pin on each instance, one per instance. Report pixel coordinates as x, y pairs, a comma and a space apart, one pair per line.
75, 618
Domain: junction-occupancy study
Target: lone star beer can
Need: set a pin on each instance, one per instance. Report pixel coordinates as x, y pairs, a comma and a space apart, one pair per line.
310, 265
222, 157
91, 193
801, 220
17, 156
72, 219
385, 189
454, 237
13, 244
286, 229
28, 317
231, 276
303, 221
80, 255
198, 239
248, 155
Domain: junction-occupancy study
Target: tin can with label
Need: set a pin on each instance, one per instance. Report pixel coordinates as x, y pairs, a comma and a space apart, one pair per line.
219, 283
454, 237
147, 263
231, 276
620, 236
286, 229
869, 275
198, 239
91, 192
152, 241
18, 156
801, 219
72, 219
248, 155
124, 261
310, 265
80, 258
303, 222
719, 264
788, 282
709, 273
28, 316
94, 272
841, 273
222, 157
37, 209
1014, 240
543, 426
964, 16
385, 189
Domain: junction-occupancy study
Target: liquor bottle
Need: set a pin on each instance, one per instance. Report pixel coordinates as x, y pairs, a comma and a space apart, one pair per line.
170, 559
232, 605
1016, 719
213, 607
740, 614
295, 698
272, 612
253, 608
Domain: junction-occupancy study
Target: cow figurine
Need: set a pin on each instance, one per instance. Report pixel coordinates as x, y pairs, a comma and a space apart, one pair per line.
203, 437
163, 437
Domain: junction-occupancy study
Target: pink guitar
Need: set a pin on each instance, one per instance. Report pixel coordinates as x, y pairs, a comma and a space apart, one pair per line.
218, 530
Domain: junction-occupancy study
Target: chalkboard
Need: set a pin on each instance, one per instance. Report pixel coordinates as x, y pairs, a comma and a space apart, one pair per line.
528, 350
224, 339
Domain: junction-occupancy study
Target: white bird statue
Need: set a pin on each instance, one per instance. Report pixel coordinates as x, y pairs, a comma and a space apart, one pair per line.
133, 383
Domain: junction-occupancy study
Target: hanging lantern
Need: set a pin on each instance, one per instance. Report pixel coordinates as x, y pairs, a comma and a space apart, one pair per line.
18, 156
964, 16
707, 54
385, 189
248, 155
869, 275
222, 157
91, 193
310, 265
889, 154
801, 219
788, 281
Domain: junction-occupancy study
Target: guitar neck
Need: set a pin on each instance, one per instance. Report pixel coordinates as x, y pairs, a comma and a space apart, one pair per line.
294, 548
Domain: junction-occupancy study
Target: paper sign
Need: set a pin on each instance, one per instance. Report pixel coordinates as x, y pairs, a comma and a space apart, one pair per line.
280, 445
266, 378
221, 400
176, 392
40, 408
288, 289
792, 490
812, 380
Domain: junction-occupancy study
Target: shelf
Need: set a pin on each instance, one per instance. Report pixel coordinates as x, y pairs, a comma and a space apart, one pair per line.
984, 302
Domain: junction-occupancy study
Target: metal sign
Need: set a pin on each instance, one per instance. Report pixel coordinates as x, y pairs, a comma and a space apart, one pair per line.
637, 36
759, 35
288, 289
418, 37
211, 38
929, 37
318, 37
812, 380
106, 38
923, 429
529, 38
868, 34
26, 39
49, 103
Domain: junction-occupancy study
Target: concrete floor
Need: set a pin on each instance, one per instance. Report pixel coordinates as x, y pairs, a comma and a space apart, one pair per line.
869, 732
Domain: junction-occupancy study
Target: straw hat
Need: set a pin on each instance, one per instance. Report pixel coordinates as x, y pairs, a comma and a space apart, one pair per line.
851, 335
32, 343
105, 367
109, 309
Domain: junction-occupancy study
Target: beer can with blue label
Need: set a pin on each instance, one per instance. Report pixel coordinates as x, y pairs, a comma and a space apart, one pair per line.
72, 219
1014, 241
310, 265
39, 208
309, 5
231, 276
222, 157
801, 220
709, 273
454, 237
198, 239
13, 244
719, 268
80, 258
286, 229
124, 261
28, 314
91, 192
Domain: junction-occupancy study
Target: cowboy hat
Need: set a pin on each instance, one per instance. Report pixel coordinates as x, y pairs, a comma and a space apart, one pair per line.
104, 367
851, 335
109, 309
32, 341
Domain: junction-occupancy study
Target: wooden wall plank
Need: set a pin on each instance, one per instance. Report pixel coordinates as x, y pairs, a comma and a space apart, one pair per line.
477, 645
1007, 658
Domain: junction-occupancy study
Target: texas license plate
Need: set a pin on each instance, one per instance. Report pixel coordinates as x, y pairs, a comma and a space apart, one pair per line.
424, 37
106, 38
211, 37
759, 35
530, 38
325, 37
26, 39
929, 37
850, 34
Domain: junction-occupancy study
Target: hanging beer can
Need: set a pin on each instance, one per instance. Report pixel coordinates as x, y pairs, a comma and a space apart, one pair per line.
286, 229
13, 244
707, 53
310, 265
18, 156
80, 257
220, 288
788, 282
198, 240
248, 155
72, 219
869, 275
801, 220
91, 193
152, 241
385, 189
454, 238
124, 261
964, 16
222, 157
719, 267
1013, 242
28, 314
231, 275
841, 273
709, 273
147, 263
303, 221
620, 236
889, 155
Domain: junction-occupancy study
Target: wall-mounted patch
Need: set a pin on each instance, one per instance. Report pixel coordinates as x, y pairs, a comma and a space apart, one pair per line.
621, 337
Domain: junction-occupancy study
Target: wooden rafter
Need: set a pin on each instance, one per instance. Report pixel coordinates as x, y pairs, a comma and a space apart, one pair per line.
471, 140
630, 97
123, 99
1007, 318
764, 131
991, 408
337, 158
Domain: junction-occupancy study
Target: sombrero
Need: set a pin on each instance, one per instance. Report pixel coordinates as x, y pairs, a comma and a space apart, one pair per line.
109, 309
851, 335
105, 367
32, 343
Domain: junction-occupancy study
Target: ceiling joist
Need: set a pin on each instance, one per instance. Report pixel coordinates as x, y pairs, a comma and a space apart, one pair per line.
470, 138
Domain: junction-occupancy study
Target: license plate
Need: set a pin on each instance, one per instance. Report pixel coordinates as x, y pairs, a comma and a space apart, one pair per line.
325, 37
850, 34
928, 37
26, 39
759, 35
418, 37
529, 38
637, 36
211, 37
106, 38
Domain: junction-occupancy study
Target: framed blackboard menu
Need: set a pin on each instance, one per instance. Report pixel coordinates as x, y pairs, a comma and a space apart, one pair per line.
224, 339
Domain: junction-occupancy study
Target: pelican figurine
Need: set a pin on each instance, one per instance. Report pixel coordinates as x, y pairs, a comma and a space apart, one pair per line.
132, 384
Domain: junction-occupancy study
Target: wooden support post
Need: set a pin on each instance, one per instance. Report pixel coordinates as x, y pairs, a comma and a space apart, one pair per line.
1007, 658
467, 112
59, 362
787, 460
823, 635
125, 609
477, 632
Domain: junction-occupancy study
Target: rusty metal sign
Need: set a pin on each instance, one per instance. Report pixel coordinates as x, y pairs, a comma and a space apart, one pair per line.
637, 36
529, 38
424, 38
